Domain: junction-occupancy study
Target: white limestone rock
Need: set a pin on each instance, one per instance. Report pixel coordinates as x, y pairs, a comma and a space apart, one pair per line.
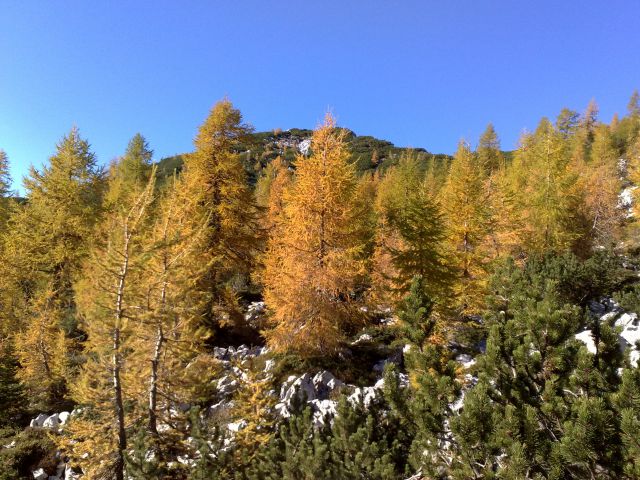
40, 474
237, 426
52, 422
63, 417
39, 420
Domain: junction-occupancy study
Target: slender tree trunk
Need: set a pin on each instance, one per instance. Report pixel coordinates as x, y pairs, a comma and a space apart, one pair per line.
153, 384
116, 358
155, 360
117, 388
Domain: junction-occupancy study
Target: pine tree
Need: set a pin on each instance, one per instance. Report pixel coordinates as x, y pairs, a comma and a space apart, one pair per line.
63, 207
365, 230
310, 289
633, 169
627, 401
633, 107
282, 178
170, 340
47, 242
213, 189
266, 180
432, 380
41, 348
585, 132
627, 130
599, 183
567, 122
129, 172
12, 395
364, 442
299, 451
253, 405
504, 226
542, 404
271, 195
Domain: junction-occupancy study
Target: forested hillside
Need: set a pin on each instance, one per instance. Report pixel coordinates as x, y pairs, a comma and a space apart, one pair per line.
259, 149
319, 305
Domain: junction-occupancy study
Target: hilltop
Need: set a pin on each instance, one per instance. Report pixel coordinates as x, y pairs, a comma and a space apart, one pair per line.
260, 148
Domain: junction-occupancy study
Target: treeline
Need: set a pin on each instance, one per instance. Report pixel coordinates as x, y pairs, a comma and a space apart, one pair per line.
115, 286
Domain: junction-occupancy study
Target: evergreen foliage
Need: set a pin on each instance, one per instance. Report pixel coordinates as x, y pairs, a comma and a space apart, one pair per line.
115, 287
410, 236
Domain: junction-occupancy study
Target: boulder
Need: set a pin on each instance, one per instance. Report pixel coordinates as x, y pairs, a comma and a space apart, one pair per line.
395, 358
69, 474
40, 474
52, 422
301, 386
39, 420
365, 395
227, 385
365, 337
324, 383
323, 410
63, 417
237, 426
466, 360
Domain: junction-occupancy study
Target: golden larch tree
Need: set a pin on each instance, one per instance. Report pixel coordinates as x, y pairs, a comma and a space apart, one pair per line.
410, 235
310, 289
544, 186
599, 186
466, 205
272, 190
214, 191
111, 301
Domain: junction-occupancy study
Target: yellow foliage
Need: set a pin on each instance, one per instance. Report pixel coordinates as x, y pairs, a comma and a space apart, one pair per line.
41, 348
253, 404
311, 274
466, 203
543, 184
213, 191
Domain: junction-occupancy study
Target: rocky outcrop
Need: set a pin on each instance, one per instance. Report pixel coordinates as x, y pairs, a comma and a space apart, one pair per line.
609, 312
52, 422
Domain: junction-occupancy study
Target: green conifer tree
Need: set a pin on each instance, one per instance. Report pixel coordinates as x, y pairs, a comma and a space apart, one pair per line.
545, 194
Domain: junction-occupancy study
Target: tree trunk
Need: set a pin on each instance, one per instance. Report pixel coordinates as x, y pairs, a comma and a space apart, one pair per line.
116, 358
155, 360
153, 383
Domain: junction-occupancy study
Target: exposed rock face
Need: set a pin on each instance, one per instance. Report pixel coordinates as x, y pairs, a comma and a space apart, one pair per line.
256, 314
63, 472
321, 391
40, 474
625, 201
52, 422
304, 146
39, 420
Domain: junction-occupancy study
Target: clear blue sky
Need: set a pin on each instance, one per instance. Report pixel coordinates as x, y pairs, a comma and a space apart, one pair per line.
418, 73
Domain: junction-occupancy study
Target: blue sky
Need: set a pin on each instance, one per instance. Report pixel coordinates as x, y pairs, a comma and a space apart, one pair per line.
418, 73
